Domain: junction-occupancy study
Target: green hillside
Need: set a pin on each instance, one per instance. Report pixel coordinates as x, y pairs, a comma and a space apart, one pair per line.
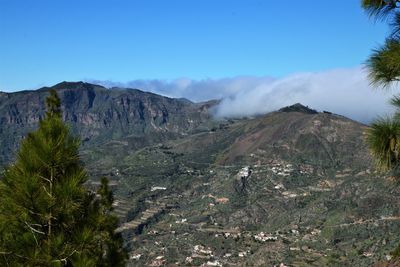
293, 186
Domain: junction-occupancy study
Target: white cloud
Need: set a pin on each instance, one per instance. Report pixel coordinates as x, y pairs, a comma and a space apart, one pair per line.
343, 91
194, 90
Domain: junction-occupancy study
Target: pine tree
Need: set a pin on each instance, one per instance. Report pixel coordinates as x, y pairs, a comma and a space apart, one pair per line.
383, 137
47, 217
383, 65
384, 62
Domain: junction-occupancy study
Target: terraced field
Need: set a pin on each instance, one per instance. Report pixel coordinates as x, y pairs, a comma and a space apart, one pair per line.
289, 188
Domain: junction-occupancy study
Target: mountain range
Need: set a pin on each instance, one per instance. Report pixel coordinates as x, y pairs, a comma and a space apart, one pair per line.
294, 187
97, 115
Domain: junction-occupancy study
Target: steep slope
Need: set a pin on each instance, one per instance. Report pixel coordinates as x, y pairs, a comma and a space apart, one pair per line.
294, 186
289, 187
98, 115
318, 138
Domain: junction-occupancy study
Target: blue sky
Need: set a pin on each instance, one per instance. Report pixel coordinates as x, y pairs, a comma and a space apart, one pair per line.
44, 42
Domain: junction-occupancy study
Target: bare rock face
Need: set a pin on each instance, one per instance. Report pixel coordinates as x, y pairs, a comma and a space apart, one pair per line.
98, 114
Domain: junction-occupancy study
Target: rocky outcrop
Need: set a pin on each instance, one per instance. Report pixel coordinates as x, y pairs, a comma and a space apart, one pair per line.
98, 114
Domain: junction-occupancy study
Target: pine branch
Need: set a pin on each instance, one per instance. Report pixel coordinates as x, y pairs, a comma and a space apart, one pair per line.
47, 192
65, 259
44, 178
35, 230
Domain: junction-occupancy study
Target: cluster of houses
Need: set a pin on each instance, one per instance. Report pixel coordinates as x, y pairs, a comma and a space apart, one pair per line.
282, 169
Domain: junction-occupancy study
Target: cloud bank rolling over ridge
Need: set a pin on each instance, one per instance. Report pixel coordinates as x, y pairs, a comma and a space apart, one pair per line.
343, 91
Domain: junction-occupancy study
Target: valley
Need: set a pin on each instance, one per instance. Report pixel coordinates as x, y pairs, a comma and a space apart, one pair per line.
294, 187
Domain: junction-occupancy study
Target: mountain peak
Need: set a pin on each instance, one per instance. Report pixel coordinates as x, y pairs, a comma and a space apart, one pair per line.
72, 86
298, 108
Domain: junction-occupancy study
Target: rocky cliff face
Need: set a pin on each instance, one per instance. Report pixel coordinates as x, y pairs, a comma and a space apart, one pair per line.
98, 114
289, 188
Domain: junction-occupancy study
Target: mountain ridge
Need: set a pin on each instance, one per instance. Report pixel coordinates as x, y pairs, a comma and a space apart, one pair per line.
97, 114
293, 186
288, 187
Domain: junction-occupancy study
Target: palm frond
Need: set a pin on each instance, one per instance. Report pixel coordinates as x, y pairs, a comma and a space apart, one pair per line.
395, 101
383, 139
395, 26
384, 64
380, 9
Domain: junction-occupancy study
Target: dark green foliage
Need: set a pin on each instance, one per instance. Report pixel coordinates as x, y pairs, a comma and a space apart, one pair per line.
298, 108
396, 252
379, 8
115, 254
384, 63
53, 104
384, 141
47, 217
106, 194
384, 68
